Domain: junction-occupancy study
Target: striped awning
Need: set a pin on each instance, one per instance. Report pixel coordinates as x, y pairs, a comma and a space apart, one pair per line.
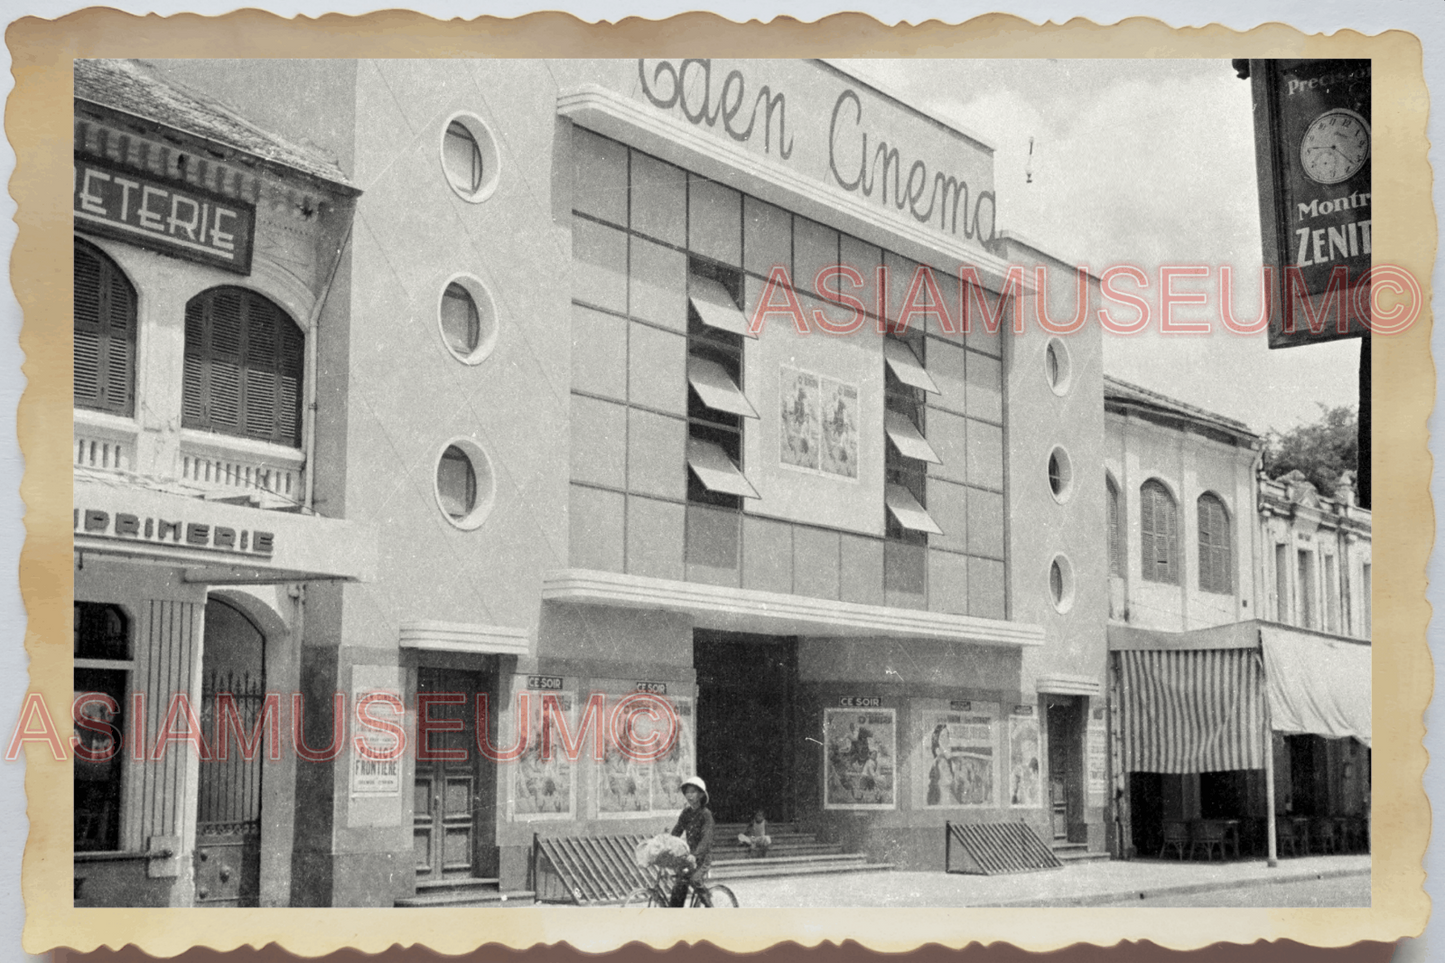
1198, 710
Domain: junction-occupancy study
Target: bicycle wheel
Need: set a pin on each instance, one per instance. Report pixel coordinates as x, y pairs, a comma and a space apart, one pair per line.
641, 898
716, 896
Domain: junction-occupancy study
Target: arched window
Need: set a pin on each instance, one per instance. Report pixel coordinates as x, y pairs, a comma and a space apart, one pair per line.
1215, 556
105, 322
1159, 534
243, 370
1117, 566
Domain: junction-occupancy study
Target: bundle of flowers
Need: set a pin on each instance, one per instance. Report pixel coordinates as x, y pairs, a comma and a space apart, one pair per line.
663, 851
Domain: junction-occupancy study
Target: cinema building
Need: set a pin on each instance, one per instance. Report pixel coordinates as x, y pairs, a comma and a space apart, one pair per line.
523, 438
1239, 637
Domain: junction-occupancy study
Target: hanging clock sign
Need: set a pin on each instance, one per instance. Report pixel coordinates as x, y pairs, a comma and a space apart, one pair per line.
1313, 146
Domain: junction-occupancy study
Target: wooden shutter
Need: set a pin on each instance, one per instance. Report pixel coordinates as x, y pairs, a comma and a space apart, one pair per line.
1116, 534
1215, 570
244, 363
105, 325
1160, 537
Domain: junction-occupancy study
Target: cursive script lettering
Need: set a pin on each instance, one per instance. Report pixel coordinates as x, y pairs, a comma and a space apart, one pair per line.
690, 88
909, 191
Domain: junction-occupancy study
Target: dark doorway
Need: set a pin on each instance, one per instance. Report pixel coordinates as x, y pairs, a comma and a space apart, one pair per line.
745, 723
454, 825
1146, 812
1066, 767
1309, 796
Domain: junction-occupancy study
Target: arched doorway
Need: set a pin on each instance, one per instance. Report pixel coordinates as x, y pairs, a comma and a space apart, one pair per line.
228, 803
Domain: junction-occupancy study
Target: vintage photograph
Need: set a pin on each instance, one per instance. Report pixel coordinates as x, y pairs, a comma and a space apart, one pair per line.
508, 485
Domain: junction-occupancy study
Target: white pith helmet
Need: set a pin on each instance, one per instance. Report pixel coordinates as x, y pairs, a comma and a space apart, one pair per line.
695, 781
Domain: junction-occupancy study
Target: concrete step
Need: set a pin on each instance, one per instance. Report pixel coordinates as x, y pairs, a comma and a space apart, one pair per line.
1077, 853
776, 852
467, 897
760, 869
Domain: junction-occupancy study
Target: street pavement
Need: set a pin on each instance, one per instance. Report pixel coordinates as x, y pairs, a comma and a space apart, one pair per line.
1095, 883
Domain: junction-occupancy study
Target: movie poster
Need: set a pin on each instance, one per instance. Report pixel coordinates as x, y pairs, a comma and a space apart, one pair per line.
838, 443
1025, 777
957, 757
542, 788
677, 764
798, 424
628, 788
860, 759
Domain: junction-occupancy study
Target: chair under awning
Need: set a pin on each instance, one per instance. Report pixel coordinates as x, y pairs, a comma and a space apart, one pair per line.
717, 472
905, 365
907, 512
715, 307
908, 440
717, 389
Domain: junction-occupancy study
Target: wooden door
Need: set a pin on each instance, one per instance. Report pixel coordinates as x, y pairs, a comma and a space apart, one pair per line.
454, 799
1066, 762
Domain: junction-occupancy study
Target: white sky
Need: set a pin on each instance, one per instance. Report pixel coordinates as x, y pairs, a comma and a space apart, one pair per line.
1145, 162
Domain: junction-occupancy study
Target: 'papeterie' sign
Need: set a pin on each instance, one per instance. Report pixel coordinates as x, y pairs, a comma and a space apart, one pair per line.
163, 215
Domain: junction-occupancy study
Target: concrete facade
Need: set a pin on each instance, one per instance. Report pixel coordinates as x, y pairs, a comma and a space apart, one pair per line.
869, 641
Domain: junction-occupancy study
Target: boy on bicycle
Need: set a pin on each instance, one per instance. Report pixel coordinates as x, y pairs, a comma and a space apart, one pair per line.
695, 826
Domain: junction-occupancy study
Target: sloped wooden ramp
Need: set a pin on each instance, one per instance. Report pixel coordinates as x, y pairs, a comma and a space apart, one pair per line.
994, 849
585, 870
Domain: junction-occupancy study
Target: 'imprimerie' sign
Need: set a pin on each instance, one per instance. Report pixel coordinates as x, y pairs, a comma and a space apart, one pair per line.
167, 216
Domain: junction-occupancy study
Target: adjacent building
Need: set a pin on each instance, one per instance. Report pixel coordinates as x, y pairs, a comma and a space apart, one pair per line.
1239, 635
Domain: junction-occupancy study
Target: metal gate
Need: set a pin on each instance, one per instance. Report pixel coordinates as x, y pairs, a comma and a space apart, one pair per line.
228, 820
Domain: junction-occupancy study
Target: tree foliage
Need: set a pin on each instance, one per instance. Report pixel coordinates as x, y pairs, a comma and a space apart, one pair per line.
1322, 449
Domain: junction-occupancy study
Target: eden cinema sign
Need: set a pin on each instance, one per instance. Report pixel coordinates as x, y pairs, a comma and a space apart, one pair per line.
816, 121
166, 216
1313, 156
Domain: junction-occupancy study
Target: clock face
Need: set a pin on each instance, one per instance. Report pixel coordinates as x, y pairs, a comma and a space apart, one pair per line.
1335, 146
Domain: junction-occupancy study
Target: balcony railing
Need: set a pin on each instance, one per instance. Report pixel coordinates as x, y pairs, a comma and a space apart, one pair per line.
220, 463
103, 442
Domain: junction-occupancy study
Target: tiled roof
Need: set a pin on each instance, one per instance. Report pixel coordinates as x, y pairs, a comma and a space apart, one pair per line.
137, 88
1117, 390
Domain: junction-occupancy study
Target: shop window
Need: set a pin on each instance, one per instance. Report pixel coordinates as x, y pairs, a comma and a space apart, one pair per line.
102, 669
1117, 564
1215, 554
244, 364
105, 331
1159, 534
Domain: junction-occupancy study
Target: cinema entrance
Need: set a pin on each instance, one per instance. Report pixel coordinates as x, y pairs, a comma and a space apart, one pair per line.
745, 691
454, 820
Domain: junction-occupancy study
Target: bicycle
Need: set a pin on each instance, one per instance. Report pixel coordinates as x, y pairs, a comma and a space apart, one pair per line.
657, 892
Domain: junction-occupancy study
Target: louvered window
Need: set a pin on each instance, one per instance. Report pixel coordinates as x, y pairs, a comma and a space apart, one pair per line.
105, 323
1116, 530
1215, 562
1159, 542
244, 364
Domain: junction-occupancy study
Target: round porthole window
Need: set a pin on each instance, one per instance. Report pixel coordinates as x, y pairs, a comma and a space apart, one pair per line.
1061, 475
469, 157
465, 485
1058, 369
1061, 583
467, 319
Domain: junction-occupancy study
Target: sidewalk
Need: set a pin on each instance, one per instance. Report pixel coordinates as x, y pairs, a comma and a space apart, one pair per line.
1078, 884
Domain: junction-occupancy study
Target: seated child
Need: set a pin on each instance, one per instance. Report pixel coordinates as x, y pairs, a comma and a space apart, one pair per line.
756, 836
